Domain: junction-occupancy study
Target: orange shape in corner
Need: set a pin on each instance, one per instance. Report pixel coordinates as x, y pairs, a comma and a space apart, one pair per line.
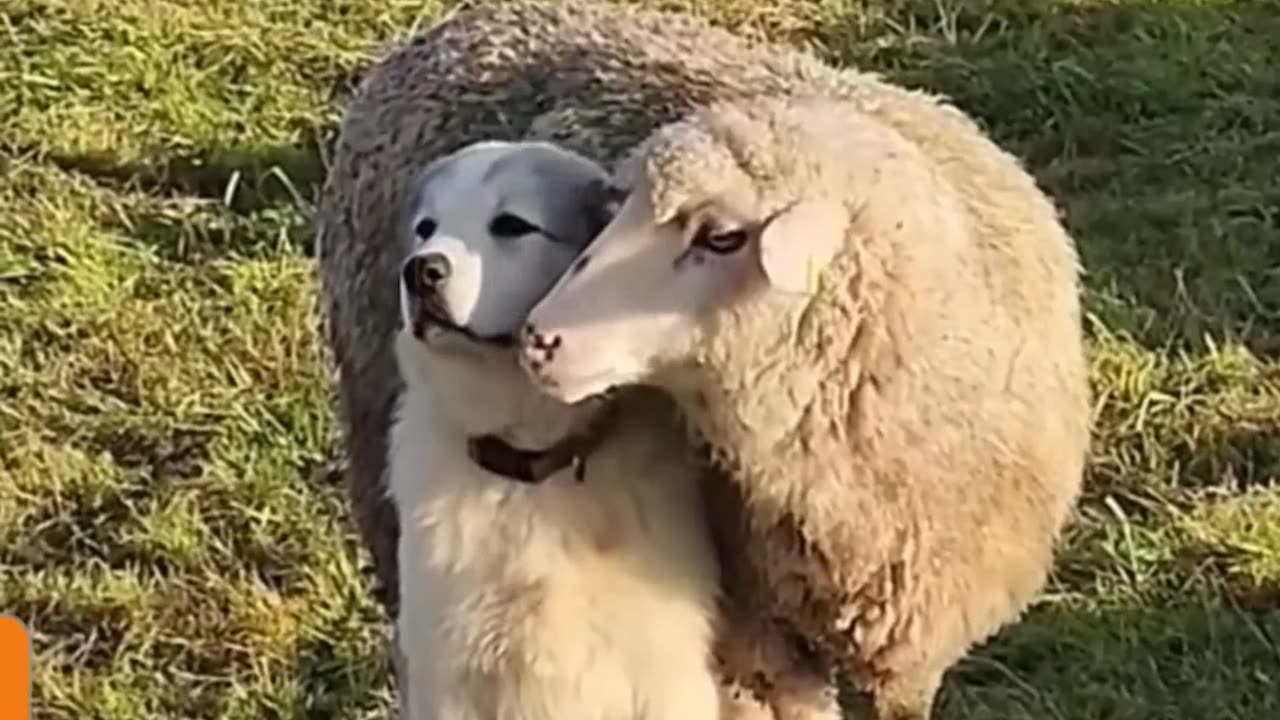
15, 669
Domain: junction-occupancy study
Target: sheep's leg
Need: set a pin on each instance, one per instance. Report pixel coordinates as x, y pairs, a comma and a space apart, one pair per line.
739, 703
762, 665
800, 695
907, 697
793, 700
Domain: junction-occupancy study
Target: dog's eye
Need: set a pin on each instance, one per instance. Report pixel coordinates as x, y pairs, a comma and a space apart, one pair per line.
425, 228
507, 225
721, 242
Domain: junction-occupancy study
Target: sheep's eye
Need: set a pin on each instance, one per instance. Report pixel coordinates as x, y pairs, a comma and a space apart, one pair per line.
425, 228
507, 225
721, 242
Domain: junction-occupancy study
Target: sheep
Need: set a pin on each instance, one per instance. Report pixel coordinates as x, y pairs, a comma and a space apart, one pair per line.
593, 77
871, 313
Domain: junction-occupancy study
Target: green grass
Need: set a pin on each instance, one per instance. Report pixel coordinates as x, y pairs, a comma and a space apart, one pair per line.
168, 524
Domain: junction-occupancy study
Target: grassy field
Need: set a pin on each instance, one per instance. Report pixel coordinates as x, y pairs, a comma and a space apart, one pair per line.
169, 525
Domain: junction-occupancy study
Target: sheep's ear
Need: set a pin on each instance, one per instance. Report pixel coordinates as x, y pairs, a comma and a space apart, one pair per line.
797, 244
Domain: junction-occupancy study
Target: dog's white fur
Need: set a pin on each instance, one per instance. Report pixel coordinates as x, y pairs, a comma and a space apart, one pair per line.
563, 600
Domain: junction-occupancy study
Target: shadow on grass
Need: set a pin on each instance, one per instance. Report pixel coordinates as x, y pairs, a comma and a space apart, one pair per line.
1174, 461
335, 672
248, 178
340, 680
1153, 124
1185, 660
202, 205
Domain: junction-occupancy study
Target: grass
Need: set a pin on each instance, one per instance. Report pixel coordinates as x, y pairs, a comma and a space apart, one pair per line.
168, 526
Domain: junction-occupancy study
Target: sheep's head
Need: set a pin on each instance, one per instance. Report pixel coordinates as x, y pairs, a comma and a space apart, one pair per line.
726, 208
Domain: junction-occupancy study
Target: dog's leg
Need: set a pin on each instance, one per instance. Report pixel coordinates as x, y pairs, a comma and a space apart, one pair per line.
415, 640
400, 671
417, 697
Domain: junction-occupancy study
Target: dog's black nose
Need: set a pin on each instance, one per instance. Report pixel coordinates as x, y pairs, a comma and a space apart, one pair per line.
426, 272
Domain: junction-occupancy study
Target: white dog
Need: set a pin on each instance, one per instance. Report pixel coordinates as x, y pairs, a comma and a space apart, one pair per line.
554, 560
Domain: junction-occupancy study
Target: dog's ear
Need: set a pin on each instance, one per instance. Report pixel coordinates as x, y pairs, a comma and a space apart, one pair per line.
798, 243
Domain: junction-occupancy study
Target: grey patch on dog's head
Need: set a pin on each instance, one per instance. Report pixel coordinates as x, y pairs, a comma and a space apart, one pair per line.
573, 216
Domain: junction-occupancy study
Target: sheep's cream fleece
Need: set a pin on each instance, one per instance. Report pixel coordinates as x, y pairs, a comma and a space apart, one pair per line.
908, 432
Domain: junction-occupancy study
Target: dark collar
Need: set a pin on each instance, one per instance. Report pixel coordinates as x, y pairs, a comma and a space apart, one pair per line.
499, 457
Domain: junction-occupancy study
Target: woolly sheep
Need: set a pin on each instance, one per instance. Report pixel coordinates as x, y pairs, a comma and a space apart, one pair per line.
871, 313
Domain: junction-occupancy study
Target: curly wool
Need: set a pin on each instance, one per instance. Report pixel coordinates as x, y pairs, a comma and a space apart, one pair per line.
909, 441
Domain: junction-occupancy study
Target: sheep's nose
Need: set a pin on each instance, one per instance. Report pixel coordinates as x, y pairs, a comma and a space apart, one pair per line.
426, 272
539, 348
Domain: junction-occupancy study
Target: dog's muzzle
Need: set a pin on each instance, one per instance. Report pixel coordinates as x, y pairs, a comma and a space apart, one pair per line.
422, 279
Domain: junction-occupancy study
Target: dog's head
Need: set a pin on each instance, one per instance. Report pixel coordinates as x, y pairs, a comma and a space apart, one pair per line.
491, 227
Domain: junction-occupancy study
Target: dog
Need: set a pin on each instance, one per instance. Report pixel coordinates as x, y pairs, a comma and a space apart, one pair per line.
554, 560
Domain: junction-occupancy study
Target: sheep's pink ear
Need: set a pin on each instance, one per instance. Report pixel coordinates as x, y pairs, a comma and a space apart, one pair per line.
797, 244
